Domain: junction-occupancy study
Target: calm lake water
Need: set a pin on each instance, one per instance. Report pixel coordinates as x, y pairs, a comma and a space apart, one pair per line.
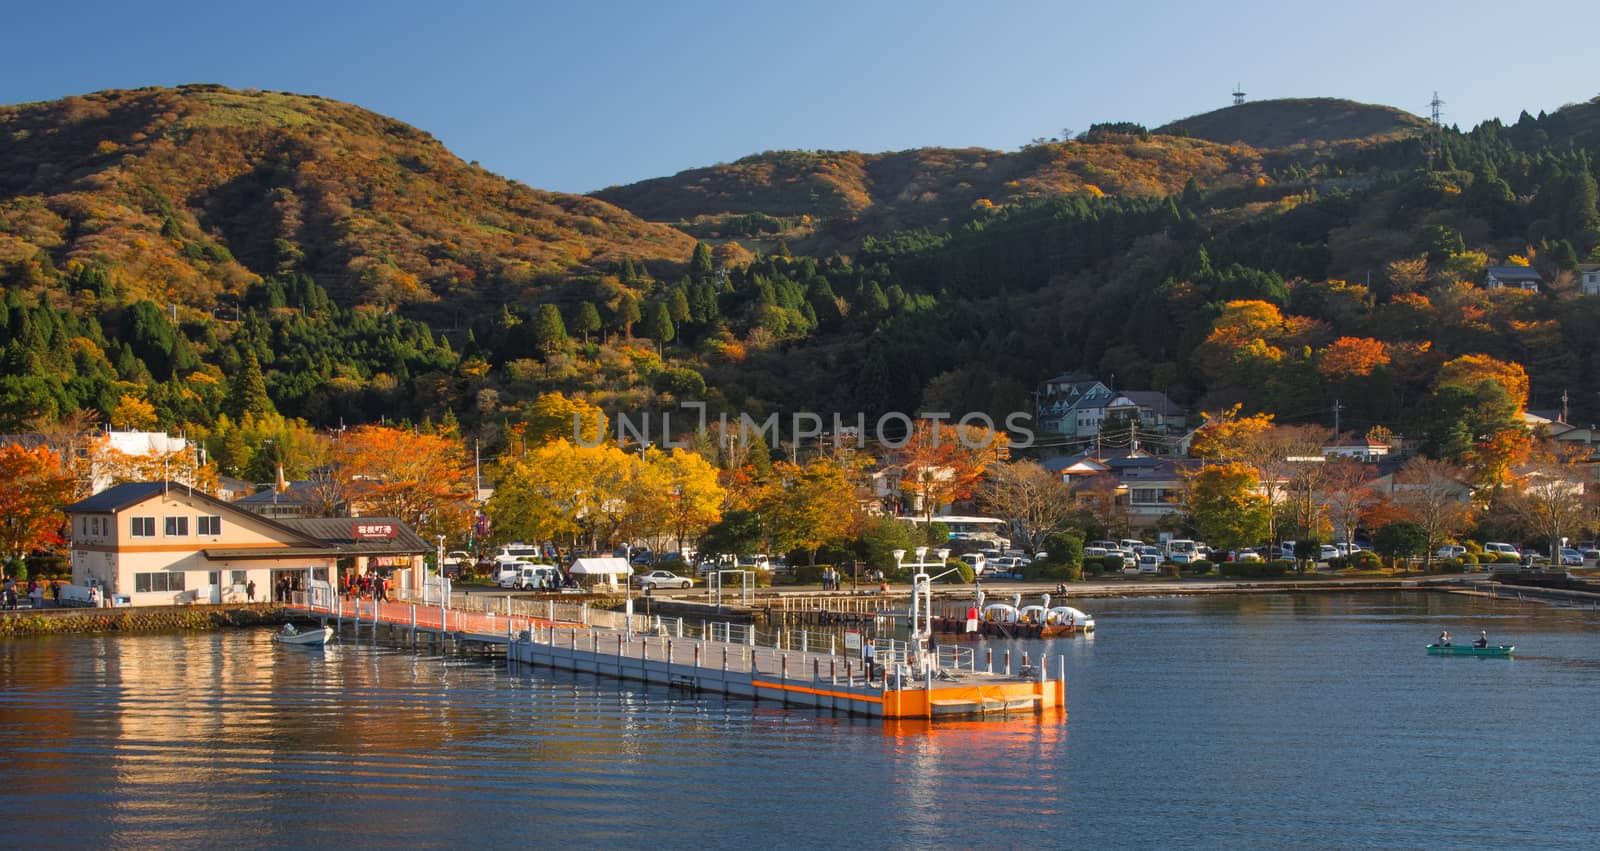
1313, 721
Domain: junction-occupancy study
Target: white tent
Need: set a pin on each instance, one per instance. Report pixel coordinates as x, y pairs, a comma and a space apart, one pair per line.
601, 571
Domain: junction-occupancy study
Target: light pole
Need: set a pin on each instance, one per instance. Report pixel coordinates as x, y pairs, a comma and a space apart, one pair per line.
922, 592
627, 581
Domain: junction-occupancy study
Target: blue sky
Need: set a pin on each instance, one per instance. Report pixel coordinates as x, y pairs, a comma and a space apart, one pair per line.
575, 96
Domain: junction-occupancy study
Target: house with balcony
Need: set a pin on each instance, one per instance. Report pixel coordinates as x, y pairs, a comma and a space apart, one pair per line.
1079, 405
1589, 278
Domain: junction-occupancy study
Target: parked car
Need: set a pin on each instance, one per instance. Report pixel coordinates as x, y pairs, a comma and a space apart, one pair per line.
456, 561
1149, 563
1450, 551
1496, 548
662, 579
530, 576
1328, 552
977, 561
1571, 557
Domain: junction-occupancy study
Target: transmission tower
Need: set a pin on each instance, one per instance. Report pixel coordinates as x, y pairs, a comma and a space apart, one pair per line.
1435, 130
1238, 94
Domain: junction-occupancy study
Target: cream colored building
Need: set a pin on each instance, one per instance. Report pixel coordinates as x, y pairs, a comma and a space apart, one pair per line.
161, 544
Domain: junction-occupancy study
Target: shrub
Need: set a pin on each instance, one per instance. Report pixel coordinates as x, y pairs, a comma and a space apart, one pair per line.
1469, 558
1453, 565
808, 574
963, 570
1243, 569
1365, 560
1200, 566
1506, 558
1277, 568
1111, 564
1065, 548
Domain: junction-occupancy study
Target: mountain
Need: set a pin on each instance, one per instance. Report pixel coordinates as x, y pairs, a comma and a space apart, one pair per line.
1287, 122
189, 194
849, 194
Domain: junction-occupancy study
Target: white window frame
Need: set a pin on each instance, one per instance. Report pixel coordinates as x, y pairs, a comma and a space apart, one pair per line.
178, 521
134, 524
200, 524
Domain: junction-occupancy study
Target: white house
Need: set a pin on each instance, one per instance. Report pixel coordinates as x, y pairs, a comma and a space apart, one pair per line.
1589, 278
161, 543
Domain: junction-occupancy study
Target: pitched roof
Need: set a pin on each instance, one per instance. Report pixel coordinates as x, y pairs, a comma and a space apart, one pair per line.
340, 532
1157, 402
118, 497
1514, 273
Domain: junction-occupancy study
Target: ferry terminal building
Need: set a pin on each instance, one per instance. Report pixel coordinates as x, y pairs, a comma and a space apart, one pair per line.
163, 544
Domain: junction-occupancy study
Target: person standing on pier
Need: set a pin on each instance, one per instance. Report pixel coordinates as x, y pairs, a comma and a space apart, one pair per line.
868, 657
250, 590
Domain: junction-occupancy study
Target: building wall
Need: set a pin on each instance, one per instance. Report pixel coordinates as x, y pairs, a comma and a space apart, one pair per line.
106, 550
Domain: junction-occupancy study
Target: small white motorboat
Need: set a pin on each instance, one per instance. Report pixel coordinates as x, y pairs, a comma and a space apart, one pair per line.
313, 637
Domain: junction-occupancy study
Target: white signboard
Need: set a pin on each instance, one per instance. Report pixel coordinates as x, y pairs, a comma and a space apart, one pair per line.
852, 639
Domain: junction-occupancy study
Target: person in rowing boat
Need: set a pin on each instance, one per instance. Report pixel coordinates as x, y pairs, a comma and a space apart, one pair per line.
1483, 639
1444, 638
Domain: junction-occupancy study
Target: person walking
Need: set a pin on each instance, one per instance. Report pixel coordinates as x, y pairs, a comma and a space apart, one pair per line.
35, 594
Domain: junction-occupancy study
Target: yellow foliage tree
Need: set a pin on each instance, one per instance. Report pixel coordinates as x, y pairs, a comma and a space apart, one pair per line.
133, 414
1227, 436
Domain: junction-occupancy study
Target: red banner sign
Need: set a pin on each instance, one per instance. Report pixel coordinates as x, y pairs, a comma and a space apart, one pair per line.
376, 531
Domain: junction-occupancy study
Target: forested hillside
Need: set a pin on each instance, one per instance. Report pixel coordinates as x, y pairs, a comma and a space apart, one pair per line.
1289, 122
216, 261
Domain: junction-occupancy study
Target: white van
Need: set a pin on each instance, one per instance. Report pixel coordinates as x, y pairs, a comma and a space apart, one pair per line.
530, 576
1182, 551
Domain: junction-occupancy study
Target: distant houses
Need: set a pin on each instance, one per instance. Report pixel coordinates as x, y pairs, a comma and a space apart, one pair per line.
1076, 404
1512, 277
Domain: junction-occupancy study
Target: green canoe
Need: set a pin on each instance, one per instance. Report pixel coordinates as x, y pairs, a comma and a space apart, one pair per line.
1469, 650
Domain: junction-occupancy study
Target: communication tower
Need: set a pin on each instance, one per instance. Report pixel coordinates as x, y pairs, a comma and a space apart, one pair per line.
1435, 129
1238, 94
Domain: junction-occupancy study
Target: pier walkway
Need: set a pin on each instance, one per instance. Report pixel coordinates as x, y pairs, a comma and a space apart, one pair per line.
716, 656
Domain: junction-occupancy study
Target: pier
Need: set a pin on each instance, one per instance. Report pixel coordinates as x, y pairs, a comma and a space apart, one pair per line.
791, 668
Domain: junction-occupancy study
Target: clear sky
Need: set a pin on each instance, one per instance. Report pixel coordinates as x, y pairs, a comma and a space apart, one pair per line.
579, 95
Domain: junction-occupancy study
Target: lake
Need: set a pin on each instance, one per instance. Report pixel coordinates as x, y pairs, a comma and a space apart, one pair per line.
1306, 721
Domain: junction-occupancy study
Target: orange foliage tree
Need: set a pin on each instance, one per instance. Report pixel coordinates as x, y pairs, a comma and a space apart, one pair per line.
943, 463
1226, 436
33, 488
422, 479
1352, 357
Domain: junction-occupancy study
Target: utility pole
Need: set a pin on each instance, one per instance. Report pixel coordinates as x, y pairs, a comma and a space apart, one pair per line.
1436, 132
1337, 406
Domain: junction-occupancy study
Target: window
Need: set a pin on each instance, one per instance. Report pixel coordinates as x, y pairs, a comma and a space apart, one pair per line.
151, 582
177, 527
144, 527
208, 524
239, 577
1148, 496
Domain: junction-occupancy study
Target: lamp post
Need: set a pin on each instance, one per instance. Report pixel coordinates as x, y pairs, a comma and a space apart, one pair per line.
922, 592
627, 581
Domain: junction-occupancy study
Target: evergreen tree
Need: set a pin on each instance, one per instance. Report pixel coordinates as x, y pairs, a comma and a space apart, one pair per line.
658, 325
678, 305
627, 314
586, 320
247, 393
700, 268
549, 332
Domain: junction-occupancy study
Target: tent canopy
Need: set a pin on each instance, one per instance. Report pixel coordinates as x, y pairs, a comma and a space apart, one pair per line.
606, 566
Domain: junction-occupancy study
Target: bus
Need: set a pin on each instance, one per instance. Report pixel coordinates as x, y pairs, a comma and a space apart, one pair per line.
989, 531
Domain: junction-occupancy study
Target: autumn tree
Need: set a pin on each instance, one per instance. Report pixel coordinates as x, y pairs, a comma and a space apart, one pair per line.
693, 498
33, 489
422, 479
554, 416
558, 491
803, 508
1433, 495
1347, 495
1351, 357
1035, 501
942, 463
1227, 436
1226, 506
1548, 496
133, 414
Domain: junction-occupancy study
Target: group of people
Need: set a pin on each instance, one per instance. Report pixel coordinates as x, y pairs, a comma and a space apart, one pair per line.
10, 597
365, 586
1483, 638
832, 580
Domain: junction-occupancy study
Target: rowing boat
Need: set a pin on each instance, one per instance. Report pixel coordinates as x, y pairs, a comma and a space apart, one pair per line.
1469, 650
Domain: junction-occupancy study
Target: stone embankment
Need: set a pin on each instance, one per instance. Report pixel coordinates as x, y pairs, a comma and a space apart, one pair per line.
141, 619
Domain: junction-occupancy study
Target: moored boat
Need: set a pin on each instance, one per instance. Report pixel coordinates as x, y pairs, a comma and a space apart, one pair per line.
1469, 650
315, 637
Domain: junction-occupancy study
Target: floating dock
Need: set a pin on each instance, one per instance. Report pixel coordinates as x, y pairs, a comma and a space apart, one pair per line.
725, 658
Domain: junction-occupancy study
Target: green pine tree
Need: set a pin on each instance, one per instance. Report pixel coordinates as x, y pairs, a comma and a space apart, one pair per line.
549, 332
658, 325
247, 393
586, 320
700, 267
627, 314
